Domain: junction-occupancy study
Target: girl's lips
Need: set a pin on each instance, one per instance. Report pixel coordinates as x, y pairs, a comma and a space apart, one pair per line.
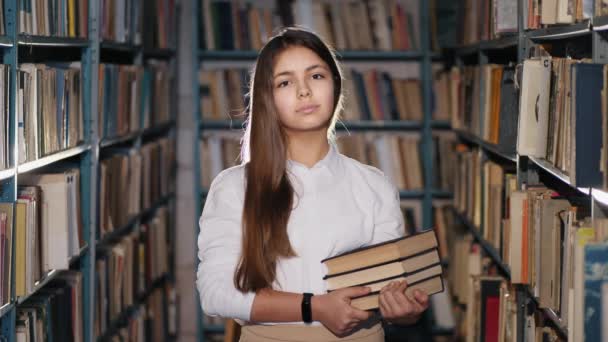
307, 109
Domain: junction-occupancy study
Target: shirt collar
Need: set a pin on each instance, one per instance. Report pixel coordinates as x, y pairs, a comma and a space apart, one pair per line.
331, 162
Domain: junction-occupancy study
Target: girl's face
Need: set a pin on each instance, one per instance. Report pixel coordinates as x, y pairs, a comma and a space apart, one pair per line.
303, 90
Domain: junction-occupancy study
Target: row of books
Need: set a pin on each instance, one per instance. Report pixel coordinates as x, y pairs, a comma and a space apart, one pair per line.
562, 114
47, 226
550, 12
132, 97
487, 19
236, 25
131, 181
532, 230
47, 233
243, 25
476, 181
58, 18
486, 307
490, 19
370, 95
387, 25
121, 21
127, 269
548, 119
55, 313
376, 95
397, 155
569, 285
49, 109
5, 151
484, 101
151, 321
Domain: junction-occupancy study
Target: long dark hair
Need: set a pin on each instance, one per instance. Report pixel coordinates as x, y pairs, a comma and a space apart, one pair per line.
269, 194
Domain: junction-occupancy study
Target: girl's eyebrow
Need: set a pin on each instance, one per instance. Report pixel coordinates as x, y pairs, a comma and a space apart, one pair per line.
289, 72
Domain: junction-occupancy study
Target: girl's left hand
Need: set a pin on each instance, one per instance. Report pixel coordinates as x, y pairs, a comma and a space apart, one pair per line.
397, 308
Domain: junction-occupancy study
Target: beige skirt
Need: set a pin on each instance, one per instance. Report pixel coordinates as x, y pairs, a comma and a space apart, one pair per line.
303, 333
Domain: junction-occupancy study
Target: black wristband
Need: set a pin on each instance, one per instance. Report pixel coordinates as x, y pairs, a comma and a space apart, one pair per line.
306, 307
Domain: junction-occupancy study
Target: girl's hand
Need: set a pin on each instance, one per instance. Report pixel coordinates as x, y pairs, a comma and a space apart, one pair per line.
334, 311
396, 307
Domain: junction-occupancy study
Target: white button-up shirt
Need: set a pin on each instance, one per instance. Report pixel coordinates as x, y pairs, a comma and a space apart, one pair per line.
339, 205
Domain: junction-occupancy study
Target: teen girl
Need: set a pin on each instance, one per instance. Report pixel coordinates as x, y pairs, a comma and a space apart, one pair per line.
295, 201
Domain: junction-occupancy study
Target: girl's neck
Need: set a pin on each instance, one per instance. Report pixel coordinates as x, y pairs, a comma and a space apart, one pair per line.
307, 149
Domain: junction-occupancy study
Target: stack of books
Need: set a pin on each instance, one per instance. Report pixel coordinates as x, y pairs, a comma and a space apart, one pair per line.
414, 258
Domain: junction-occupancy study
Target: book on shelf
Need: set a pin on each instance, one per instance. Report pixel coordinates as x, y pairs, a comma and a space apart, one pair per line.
7, 230
48, 109
444, 160
159, 24
413, 258
442, 221
56, 18
468, 187
158, 159
534, 106
6, 157
121, 21
440, 96
158, 102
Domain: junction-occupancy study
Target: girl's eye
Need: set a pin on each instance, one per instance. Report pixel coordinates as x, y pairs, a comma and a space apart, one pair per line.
318, 76
282, 84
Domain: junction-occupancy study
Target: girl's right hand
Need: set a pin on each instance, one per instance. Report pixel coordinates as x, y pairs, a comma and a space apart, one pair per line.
334, 311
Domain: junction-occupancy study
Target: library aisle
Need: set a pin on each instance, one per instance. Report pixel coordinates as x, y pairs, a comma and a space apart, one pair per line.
490, 117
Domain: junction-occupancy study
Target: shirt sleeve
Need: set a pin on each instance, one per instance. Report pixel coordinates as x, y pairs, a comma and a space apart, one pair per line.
219, 248
388, 219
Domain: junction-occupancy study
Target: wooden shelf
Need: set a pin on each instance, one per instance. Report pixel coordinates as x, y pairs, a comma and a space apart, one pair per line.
6, 174
501, 43
53, 158
486, 146
57, 42
559, 32
6, 308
